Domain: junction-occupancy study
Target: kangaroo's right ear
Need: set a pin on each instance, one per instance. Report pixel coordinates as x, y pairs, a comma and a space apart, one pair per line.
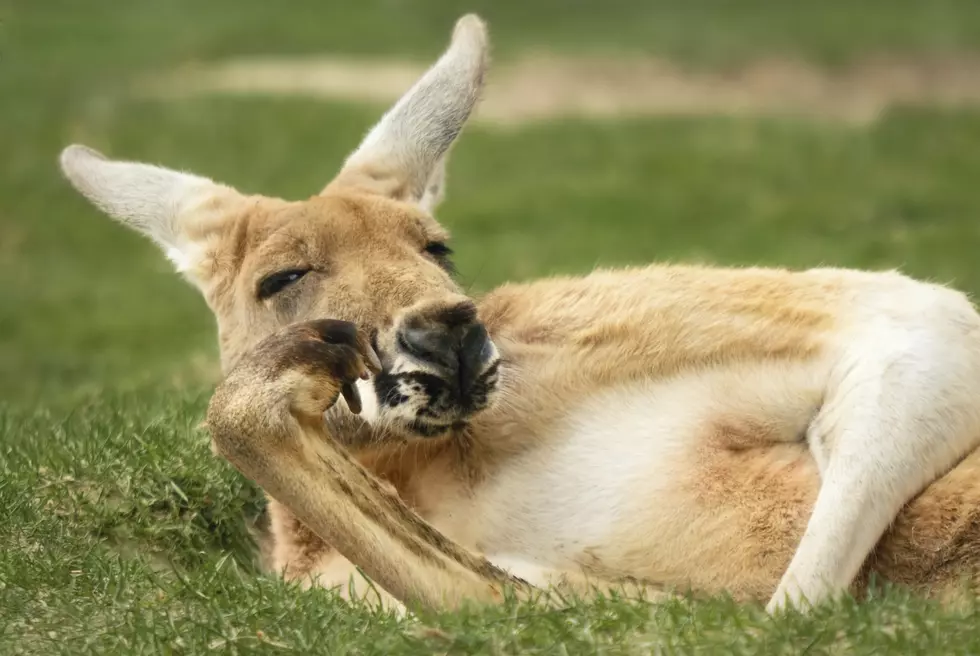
403, 156
178, 211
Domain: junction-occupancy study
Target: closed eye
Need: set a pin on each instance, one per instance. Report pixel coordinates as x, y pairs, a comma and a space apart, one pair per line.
438, 249
441, 253
276, 282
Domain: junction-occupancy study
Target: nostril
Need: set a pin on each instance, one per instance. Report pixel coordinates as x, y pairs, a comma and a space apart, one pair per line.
475, 343
432, 346
473, 353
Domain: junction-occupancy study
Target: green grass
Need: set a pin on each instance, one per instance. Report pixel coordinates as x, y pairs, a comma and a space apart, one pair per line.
121, 533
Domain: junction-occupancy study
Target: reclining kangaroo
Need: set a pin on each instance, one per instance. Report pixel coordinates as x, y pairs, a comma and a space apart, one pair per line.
757, 431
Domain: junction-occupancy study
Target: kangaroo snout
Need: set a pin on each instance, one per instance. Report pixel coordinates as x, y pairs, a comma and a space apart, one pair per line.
450, 340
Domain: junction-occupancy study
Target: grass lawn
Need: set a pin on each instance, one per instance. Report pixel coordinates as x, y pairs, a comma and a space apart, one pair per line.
121, 533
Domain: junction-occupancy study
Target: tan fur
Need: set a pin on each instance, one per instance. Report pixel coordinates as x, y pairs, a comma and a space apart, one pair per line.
736, 356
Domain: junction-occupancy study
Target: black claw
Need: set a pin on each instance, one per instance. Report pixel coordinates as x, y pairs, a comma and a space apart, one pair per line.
352, 396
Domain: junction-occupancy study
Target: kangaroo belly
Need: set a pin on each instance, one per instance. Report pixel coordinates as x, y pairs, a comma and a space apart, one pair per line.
703, 480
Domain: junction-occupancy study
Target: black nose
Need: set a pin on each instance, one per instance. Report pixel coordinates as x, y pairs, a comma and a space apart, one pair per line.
459, 351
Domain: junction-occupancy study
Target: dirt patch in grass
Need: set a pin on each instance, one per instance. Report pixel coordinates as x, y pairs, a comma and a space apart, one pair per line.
543, 87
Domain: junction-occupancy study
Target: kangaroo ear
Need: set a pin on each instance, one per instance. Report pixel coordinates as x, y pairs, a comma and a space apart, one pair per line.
435, 188
176, 210
403, 156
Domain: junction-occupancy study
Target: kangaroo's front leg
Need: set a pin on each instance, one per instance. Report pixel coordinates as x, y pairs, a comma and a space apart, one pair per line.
266, 418
902, 406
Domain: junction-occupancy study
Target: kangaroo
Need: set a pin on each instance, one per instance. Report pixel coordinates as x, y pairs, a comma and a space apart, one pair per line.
779, 435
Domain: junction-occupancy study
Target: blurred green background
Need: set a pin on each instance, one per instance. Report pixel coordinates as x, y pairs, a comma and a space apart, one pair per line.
107, 357
85, 304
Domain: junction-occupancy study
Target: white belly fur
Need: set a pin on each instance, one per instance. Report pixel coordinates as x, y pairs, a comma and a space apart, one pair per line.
605, 474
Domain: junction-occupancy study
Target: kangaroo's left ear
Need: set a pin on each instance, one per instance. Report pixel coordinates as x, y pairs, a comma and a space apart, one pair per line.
179, 211
403, 156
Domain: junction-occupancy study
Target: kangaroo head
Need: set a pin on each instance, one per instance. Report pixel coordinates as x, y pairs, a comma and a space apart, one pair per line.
366, 249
